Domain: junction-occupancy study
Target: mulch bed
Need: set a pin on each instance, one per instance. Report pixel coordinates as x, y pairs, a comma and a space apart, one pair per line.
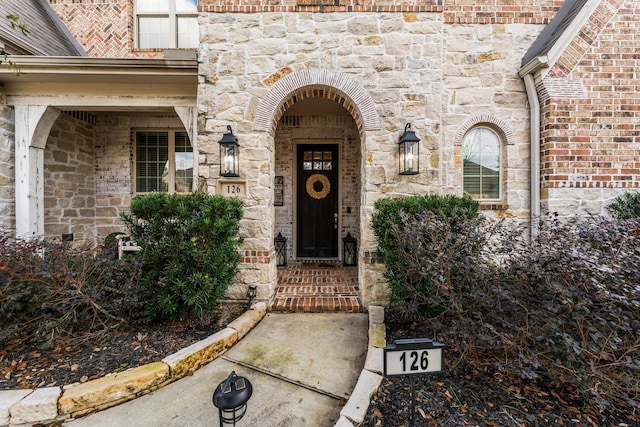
26, 362
464, 395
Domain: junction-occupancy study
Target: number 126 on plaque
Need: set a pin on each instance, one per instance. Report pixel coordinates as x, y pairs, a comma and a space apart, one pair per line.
413, 356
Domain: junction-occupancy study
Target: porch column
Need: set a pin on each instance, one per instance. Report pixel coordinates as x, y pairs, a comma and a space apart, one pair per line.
32, 126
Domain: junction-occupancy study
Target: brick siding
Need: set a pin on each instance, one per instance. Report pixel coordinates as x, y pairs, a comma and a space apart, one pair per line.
591, 107
104, 28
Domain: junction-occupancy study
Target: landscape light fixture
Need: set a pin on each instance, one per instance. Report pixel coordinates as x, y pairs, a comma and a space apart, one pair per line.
252, 291
231, 397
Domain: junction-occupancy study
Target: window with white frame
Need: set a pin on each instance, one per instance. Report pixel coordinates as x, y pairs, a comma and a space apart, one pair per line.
482, 163
163, 162
166, 23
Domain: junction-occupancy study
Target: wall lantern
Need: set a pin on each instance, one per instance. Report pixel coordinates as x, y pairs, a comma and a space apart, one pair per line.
349, 250
280, 242
252, 291
231, 397
229, 154
409, 150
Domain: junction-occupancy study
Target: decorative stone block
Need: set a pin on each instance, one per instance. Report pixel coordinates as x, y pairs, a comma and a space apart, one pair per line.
358, 403
114, 388
197, 354
41, 405
8, 398
247, 320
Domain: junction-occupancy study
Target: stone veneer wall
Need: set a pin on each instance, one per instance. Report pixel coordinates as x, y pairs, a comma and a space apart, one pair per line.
69, 179
414, 66
7, 171
591, 110
114, 136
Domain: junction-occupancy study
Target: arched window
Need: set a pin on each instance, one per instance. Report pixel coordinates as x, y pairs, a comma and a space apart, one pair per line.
482, 163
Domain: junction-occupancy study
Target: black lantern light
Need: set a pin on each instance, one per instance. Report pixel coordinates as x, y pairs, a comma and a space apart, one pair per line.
280, 242
231, 397
252, 291
349, 250
229, 154
409, 150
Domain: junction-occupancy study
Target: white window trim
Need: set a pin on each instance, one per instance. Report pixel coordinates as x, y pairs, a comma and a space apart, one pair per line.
173, 24
171, 184
499, 134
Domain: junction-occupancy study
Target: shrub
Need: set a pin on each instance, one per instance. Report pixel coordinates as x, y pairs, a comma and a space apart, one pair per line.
424, 242
49, 288
626, 206
562, 308
189, 250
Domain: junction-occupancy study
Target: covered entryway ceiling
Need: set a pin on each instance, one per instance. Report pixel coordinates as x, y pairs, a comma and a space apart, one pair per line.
45, 86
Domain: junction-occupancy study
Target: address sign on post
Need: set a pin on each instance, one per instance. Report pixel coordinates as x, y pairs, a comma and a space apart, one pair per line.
413, 356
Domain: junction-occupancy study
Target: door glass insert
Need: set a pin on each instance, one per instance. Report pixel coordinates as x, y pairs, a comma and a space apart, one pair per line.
317, 160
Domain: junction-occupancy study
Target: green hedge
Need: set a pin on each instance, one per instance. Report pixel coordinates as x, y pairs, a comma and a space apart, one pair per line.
418, 235
189, 248
626, 206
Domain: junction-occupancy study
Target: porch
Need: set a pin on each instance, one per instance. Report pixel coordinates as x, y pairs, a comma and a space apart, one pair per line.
317, 286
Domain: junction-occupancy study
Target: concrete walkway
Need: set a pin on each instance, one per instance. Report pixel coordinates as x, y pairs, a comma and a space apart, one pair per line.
303, 368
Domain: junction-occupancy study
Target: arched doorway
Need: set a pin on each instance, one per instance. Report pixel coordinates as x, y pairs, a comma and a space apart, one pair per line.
317, 120
317, 166
318, 159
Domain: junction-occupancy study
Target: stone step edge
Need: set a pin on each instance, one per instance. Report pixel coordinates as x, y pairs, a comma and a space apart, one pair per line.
354, 411
54, 404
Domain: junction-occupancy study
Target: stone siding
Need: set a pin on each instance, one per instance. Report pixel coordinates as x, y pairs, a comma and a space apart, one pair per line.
589, 141
413, 67
69, 180
114, 146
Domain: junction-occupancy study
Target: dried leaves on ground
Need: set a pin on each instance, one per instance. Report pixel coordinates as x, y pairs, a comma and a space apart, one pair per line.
474, 394
27, 362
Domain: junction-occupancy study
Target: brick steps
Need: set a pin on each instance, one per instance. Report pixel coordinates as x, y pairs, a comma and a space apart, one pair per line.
317, 287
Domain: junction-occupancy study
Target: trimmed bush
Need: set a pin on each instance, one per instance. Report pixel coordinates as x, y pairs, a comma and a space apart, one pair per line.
424, 242
626, 206
189, 250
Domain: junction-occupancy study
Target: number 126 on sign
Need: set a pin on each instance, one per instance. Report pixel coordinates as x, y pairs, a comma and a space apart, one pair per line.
413, 356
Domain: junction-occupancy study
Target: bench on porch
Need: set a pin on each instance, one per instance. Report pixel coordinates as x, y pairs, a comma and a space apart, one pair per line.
125, 244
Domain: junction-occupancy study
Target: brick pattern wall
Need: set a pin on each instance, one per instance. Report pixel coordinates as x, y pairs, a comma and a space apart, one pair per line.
104, 28
591, 107
455, 12
69, 180
7, 173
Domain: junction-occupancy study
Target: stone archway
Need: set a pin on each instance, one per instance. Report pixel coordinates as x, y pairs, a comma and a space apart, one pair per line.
317, 83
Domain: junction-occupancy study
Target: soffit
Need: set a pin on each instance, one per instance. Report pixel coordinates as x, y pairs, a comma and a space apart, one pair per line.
99, 78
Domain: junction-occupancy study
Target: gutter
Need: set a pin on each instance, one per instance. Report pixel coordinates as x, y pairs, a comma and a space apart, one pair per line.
85, 63
527, 73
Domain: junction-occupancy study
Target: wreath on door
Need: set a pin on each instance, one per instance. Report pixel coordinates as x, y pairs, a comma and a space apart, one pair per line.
314, 179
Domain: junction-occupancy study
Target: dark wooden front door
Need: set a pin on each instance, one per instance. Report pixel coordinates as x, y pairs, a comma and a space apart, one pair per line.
317, 195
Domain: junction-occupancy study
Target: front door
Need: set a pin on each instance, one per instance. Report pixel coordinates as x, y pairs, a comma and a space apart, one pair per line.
317, 197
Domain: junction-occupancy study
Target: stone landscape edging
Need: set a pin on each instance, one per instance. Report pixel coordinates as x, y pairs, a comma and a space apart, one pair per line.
354, 411
51, 404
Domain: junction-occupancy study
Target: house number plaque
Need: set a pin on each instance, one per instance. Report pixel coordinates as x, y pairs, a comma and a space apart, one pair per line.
233, 188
